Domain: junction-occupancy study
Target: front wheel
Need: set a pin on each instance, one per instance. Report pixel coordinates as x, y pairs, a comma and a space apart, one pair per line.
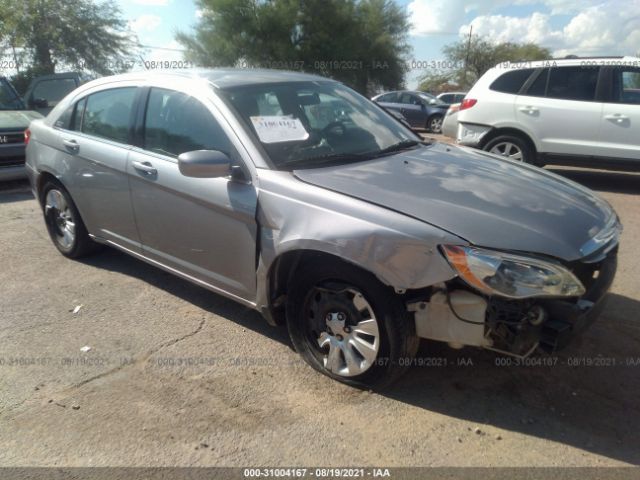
349, 326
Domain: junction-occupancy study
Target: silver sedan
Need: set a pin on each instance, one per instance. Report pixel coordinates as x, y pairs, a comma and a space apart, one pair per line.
295, 196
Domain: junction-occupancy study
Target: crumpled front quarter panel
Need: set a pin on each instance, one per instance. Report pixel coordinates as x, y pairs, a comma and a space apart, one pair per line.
401, 251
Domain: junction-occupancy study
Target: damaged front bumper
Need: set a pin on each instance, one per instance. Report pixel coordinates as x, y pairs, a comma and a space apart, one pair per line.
461, 317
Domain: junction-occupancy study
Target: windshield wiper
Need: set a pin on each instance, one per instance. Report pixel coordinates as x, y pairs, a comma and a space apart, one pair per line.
397, 147
328, 158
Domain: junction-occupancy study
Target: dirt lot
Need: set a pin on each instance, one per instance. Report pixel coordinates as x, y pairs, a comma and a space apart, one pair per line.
179, 376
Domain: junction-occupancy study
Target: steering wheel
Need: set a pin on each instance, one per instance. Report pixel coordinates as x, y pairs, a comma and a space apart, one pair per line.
337, 124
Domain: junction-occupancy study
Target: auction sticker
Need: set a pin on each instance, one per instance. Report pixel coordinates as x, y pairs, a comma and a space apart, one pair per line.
279, 128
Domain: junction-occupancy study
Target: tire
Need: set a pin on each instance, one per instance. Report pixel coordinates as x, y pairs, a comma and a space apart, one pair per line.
325, 310
513, 147
64, 224
434, 123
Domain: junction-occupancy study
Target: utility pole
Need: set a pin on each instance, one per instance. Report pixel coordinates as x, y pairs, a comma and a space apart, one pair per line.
466, 62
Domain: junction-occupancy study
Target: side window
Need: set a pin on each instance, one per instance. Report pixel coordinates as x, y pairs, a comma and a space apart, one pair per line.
64, 120
459, 98
573, 83
409, 99
626, 82
448, 98
176, 123
389, 98
78, 114
108, 113
71, 118
512, 81
539, 86
53, 90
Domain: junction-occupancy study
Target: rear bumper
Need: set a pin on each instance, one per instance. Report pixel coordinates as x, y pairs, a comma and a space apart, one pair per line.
471, 134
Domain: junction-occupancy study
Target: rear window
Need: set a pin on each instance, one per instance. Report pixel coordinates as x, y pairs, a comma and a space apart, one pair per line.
108, 113
573, 83
512, 81
539, 86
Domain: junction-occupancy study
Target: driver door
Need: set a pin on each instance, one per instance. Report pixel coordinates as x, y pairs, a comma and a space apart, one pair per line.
204, 228
413, 110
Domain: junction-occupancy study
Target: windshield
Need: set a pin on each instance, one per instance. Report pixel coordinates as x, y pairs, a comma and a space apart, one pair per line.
304, 124
9, 99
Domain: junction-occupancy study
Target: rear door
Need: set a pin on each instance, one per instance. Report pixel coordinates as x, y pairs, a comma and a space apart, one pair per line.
413, 109
96, 145
620, 130
204, 228
559, 109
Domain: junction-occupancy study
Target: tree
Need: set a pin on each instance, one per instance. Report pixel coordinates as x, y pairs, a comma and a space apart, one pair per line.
43, 35
471, 59
360, 42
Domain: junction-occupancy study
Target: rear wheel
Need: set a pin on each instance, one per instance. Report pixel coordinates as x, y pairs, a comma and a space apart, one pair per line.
511, 147
349, 326
434, 124
66, 229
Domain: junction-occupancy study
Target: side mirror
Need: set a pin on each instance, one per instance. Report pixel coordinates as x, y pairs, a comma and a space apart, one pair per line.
39, 103
433, 101
204, 164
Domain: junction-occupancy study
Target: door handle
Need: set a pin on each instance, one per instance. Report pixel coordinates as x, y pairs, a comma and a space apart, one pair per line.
616, 117
144, 167
529, 110
71, 145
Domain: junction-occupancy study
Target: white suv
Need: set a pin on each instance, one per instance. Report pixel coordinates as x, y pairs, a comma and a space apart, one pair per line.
577, 111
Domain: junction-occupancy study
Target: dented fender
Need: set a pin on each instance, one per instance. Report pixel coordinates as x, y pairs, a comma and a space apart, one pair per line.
293, 216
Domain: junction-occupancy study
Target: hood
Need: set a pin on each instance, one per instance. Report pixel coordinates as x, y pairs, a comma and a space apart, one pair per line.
17, 119
488, 201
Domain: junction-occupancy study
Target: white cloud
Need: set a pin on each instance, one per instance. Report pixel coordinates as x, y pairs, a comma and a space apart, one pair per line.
604, 29
145, 23
435, 16
156, 3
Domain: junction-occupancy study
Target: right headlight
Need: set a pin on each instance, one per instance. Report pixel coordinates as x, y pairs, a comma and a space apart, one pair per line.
512, 276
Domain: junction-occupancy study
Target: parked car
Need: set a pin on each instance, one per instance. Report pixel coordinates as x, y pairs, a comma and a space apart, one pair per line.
46, 91
14, 119
340, 222
420, 109
451, 97
576, 111
450, 123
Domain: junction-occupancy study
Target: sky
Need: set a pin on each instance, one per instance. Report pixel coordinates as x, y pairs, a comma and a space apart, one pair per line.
580, 27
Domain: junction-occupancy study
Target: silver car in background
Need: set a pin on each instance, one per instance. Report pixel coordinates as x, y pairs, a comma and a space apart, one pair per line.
295, 196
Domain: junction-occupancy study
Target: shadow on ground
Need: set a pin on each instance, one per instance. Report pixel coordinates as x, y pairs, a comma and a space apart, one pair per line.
113, 260
15, 191
585, 397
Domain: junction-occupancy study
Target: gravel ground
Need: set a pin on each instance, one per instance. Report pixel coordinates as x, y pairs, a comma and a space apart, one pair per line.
178, 376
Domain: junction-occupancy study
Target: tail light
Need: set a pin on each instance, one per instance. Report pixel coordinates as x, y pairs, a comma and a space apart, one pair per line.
468, 103
27, 136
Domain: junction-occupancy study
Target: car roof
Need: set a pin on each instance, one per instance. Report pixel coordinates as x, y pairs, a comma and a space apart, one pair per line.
222, 77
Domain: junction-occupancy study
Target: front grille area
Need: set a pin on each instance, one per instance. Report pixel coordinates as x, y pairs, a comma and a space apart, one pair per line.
11, 138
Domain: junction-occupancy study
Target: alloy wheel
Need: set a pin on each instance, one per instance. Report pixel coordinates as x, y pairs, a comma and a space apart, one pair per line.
509, 150
60, 218
343, 326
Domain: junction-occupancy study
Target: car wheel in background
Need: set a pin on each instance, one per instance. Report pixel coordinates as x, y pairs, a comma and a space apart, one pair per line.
434, 124
512, 147
349, 326
66, 229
